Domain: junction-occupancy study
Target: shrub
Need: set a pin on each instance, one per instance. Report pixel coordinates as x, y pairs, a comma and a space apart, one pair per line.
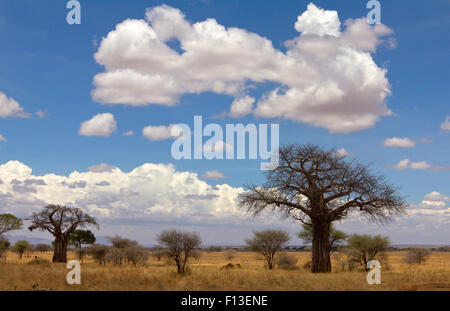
364, 248
98, 252
417, 255
286, 261
159, 254
115, 255
43, 248
229, 254
307, 265
136, 255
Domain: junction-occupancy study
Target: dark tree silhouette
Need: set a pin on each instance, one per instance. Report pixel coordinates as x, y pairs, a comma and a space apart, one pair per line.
317, 186
60, 221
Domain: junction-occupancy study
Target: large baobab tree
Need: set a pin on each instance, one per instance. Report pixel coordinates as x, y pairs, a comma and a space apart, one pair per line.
318, 186
60, 221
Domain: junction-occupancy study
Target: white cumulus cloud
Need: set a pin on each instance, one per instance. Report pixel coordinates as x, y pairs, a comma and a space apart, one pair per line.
10, 107
407, 164
399, 142
162, 132
102, 124
446, 125
327, 77
213, 175
242, 106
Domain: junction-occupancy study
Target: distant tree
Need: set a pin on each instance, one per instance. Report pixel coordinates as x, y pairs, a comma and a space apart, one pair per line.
286, 261
417, 255
9, 222
179, 246
318, 186
60, 221
21, 247
43, 247
268, 243
229, 254
4, 245
99, 252
120, 242
78, 238
365, 248
336, 237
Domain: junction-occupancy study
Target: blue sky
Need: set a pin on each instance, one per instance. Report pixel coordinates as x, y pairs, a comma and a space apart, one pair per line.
48, 65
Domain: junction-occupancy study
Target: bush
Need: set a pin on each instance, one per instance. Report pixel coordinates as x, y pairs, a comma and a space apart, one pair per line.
307, 265
4, 245
196, 254
115, 255
136, 255
364, 248
417, 255
159, 254
21, 247
43, 248
286, 261
229, 254
98, 252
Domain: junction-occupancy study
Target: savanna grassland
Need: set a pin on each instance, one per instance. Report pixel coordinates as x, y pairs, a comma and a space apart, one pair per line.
205, 273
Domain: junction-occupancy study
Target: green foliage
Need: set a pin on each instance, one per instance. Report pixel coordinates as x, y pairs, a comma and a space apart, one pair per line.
9, 222
78, 238
21, 247
43, 247
4, 244
364, 248
336, 237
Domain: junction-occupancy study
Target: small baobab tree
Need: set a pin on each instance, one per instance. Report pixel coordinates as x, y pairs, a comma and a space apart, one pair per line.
60, 221
317, 187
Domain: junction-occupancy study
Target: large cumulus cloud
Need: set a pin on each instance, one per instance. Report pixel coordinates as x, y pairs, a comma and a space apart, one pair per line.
327, 76
154, 197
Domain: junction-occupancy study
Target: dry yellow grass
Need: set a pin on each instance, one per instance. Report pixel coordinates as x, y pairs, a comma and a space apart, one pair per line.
205, 274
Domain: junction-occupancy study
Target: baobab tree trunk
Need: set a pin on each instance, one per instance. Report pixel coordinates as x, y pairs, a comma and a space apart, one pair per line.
60, 251
321, 247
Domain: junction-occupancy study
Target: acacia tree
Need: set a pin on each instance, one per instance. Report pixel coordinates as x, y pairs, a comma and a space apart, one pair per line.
318, 186
9, 222
179, 246
21, 247
364, 248
60, 221
268, 243
336, 236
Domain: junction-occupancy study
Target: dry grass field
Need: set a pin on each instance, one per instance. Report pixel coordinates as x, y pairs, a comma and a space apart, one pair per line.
205, 274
